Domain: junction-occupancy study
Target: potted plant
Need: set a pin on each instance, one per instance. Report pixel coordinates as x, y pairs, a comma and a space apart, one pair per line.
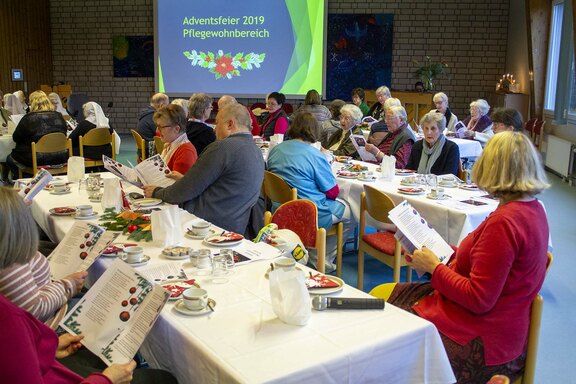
429, 71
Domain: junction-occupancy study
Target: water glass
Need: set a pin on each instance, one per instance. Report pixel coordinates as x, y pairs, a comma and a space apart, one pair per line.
229, 256
203, 263
432, 180
219, 269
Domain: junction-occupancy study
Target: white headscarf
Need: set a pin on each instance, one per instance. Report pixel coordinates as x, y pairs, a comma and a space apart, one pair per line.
22, 98
94, 114
59, 107
13, 104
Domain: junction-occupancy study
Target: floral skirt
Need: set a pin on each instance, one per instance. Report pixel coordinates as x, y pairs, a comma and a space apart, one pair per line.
467, 361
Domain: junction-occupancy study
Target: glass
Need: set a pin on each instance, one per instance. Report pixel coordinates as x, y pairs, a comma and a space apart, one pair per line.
432, 181
93, 183
203, 263
219, 269
229, 255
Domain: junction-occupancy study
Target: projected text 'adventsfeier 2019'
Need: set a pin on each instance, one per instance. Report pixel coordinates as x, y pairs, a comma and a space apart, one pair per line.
201, 33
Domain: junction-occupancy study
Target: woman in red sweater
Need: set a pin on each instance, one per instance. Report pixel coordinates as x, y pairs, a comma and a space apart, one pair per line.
481, 302
179, 153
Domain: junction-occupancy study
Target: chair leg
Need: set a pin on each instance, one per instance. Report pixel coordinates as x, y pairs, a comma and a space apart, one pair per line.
339, 250
408, 274
360, 285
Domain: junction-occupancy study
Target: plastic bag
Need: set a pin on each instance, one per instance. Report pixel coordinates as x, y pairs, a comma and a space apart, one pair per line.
388, 167
166, 226
285, 240
289, 296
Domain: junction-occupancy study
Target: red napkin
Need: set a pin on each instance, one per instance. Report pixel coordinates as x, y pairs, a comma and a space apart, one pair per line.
320, 281
176, 289
226, 237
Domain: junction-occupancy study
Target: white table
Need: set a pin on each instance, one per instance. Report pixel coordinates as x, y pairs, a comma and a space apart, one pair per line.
6, 146
244, 342
453, 224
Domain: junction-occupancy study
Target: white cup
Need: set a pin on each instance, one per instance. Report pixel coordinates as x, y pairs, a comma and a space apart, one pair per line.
133, 255
285, 263
202, 260
200, 227
437, 192
59, 186
84, 210
195, 299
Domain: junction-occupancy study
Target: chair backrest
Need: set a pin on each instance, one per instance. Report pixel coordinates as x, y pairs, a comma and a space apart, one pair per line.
258, 105
52, 142
140, 145
159, 144
277, 190
97, 137
301, 217
537, 132
288, 108
529, 126
533, 339
378, 204
461, 174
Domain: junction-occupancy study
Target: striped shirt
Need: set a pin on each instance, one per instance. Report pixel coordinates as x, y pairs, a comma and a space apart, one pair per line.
29, 287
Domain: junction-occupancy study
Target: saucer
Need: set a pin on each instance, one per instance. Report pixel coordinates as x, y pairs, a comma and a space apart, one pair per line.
190, 235
180, 307
443, 197
141, 262
367, 179
146, 202
174, 257
411, 191
53, 192
469, 187
87, 217
447, 185
326, 291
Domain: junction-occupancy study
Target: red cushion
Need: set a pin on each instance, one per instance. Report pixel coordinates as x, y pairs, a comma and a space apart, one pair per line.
382, 241
299, 216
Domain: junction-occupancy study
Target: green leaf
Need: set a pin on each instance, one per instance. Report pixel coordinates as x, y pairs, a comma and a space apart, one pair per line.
211, 56
262, 56
235, 72
203, 55
244, 65
188, 54
218, 75
238, 56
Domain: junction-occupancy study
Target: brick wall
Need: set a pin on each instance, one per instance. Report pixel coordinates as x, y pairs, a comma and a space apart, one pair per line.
470, 36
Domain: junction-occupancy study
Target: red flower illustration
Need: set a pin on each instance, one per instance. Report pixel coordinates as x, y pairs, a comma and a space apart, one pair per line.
224, 65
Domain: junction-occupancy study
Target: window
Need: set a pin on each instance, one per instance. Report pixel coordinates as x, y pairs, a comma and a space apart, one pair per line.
553, 55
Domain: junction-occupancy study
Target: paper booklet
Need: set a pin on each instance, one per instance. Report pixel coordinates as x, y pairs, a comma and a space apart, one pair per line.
31, 188
151, 171
459, 129
360, 144
117, 313
414, 232
81, 246
369, 120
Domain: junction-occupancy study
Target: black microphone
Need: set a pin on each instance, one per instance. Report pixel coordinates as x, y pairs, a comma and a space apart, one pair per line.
320, 303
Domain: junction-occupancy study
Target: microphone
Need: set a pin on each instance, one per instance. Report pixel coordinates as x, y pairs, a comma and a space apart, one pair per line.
320, 303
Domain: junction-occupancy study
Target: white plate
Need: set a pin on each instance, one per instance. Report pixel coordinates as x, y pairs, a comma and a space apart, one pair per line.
180, 307
409, 184
179, 257
405, 172
180, 283
147, 202
443, 185
411, 193
468, 187
53, 212
53, 192
443, 197
223, 244
368, 179
140, 263
326, 291
196, 237
348, 176
92, 216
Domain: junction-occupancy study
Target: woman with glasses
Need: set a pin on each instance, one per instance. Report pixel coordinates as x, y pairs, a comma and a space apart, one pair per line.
479, 124
441, 103
277, 120
178, 153
340, 143
199, 133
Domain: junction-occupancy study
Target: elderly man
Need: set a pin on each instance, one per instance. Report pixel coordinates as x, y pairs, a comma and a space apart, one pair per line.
146, 127
400, 138
224, 184
227, 99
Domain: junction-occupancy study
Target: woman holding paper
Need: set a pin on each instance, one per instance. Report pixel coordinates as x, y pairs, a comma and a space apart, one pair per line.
434, 154
480, 302
340, 143
479, 124
178, 153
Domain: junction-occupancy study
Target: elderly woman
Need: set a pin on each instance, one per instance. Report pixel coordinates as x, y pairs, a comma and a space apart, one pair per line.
6, 123
332, 126
94, 118
304, 167
358, 96
57, 103
22, 98
379, 130
377, 109
434, 154
340, 143
479, 124
199, 133
13, 104
30, 348
313, 105
41, 121
441, 103
481, 301
399, 140
183, 103
179, 153
506, 119
276, 121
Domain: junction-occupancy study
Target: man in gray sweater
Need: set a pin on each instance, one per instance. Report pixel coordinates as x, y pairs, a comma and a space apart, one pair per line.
224, 184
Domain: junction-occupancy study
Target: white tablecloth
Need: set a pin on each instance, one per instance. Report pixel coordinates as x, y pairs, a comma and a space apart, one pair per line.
453, 224
244, 342
6, 146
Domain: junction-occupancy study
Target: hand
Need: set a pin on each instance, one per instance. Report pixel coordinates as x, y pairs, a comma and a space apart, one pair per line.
120, 373
423, 260
175, 175
149, 190
372, 149
469, 134
77, 279
68, 345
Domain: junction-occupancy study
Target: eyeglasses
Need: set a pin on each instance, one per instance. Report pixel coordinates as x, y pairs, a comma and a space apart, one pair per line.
272, 104
160, 127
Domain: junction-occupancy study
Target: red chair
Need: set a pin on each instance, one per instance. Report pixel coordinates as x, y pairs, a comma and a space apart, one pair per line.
301, 217
288, 108
258, 105
529, 126
537, 132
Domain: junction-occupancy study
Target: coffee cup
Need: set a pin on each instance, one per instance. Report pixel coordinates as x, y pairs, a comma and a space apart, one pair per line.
284, 263
195, 299
200, 227
437, 193
133, 254
59, 186
84, 210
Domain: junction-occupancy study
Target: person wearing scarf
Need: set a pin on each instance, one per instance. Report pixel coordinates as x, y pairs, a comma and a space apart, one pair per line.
479, 124
57, 103
13, 104
94, 118
178, 153
22, 98
340, 143
434, 154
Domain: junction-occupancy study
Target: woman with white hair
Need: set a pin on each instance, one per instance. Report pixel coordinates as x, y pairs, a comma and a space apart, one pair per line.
183, 103
340, 143
13, 104
479, 124
399, 140
441, 103
94, 118
377, 109
57, 103
379, 130
22, 98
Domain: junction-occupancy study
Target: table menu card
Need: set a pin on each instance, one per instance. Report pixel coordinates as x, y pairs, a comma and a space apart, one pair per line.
151, 171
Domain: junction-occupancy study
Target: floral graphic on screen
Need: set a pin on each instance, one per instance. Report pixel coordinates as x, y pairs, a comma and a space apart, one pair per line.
225, 66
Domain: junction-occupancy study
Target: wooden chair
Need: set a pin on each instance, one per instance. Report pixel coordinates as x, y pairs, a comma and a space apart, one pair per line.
159, 144
529, 126
537, 132
277, 190
140, 146
96, 137
381, 245
50, 143
301, 217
